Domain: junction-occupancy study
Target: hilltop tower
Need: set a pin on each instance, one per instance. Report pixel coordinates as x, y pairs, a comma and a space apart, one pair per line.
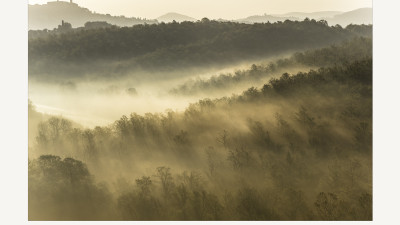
70, 1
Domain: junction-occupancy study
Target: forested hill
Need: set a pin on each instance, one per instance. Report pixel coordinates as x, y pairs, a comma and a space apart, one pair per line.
302, 143
349, 51
170, 17
49, 16
357, 16
180, 45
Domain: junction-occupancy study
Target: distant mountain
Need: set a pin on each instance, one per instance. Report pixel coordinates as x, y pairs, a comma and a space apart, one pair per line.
312, 15
50, 15
169, 17
358, 16
264, 19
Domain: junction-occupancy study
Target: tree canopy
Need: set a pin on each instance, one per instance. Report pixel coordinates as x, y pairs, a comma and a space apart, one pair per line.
178, 45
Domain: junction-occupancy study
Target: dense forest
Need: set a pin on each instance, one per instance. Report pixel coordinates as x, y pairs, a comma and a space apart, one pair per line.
297, 148
112, 51
356, 49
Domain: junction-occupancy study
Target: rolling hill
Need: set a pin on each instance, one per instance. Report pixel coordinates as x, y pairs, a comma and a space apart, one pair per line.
50, 15
314, 15
264, 19
169, 17
358, 16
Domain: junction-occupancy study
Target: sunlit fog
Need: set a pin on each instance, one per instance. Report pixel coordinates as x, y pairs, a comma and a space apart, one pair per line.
249, 116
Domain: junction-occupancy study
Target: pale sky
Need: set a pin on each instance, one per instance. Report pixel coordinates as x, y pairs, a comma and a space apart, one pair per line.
213, 9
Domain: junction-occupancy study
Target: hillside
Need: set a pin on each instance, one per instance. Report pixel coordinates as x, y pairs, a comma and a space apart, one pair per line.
358, 16
169, 17
312, 15
346, 52
264, 19
302, 143
172, 46
293, 146
50, 15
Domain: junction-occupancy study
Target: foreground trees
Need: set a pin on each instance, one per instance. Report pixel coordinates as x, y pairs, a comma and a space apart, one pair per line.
63, 189
299, 148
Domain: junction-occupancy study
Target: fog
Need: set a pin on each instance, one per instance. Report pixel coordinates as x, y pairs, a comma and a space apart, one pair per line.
100, 101
301, 142
92, 104
278, 137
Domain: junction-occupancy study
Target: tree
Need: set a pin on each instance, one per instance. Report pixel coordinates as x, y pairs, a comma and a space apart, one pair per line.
63, 189
167, 184
144, 185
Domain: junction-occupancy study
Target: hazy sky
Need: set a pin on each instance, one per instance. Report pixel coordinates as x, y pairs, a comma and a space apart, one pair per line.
214, 9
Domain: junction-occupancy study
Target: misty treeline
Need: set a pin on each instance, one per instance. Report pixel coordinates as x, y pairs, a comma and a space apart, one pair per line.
65, 27
348, 51
299, 148
165, 47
